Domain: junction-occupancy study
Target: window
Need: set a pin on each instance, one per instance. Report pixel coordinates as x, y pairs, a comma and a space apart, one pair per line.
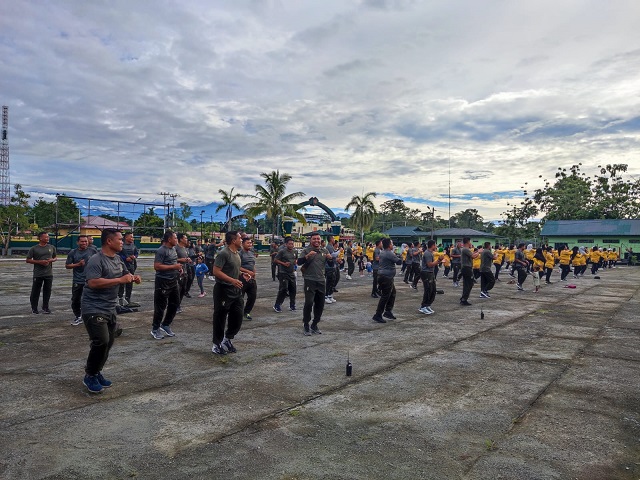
585, 240
610, 240
634, 240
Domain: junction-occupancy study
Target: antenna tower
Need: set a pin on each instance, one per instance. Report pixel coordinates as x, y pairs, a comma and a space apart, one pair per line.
5, 186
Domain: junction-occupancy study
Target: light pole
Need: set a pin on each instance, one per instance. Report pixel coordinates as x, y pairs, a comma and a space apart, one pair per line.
133, 218
201, 226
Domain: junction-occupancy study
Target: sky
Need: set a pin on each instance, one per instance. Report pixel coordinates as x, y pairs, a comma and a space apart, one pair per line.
435, 102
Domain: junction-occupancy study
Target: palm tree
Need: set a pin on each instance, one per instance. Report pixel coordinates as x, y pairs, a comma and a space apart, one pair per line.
229, 200
272, 201
364, 212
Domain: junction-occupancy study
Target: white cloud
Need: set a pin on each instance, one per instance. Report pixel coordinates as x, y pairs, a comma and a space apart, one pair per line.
346, 96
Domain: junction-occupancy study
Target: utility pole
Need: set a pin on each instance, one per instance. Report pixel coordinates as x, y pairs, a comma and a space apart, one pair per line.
166, 215
5, 187
173, 209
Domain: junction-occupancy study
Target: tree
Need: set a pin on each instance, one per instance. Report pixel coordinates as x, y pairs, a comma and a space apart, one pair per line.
569, 198
469, 218
229, 200
149, 224
614, 197
13, 216
272, 201
364, 213
185, 211
45, 212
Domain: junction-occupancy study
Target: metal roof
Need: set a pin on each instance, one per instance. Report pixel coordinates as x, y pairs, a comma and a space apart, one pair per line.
461, 232
572, 228
404, 231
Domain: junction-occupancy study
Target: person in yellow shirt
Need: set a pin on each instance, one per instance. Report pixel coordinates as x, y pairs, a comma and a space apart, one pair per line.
510, 256
498, 260
370, 250
476, 264
565, 262
537, 268
594, 257
550, 262
446, 261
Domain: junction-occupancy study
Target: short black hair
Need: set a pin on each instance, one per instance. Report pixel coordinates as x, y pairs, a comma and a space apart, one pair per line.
180, 236
127, 234
108, 233
466, 240
431, 243
41, 233
386, 242
288, 239
167, 235
230, 236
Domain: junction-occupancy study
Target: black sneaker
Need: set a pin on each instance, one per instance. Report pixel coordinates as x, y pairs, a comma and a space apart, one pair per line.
166, 329
315, 330
188, 295
248, 317
373, 295
35, 311
92, 383
103, 381
307, 330
292, 308
218, 350
379, 319
465, 303
389, 315
228, 346
46, 311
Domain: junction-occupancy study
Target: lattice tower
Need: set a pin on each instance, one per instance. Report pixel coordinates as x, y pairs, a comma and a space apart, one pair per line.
5, 186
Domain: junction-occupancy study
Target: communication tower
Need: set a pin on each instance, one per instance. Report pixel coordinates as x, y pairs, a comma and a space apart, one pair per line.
5, 187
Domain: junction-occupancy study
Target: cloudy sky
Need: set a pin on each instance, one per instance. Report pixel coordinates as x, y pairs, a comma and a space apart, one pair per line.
125, 99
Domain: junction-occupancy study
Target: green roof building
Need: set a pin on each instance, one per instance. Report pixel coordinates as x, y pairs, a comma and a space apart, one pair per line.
621, 235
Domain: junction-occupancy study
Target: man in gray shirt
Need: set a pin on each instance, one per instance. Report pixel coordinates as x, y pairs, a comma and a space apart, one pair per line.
166, 296
104, 273
312, 260
248, 266
286, 259
76, 261
456, 262
386, 272
466, 264
42, 256
129, 255
487, 279
228, 303
427, 274
375, 265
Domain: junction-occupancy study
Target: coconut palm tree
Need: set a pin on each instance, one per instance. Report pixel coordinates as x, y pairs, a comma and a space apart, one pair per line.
271, 199
364, 212
229, 200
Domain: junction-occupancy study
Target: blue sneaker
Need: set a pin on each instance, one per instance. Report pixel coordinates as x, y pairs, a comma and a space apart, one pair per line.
228, 346
292, 308
103, 381
218, 349
92, 383
167, 330
276, 308
157, 334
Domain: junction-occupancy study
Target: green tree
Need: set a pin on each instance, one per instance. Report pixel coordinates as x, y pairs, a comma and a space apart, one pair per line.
364, 213
271, 199
569, 198
45, 212
13, 216
229, 199
185, 211
149, 224
614, 197
469, 218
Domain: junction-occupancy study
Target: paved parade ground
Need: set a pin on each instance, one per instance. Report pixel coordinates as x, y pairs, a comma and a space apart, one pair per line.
546, 386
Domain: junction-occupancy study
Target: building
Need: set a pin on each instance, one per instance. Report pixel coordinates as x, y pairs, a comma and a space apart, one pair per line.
444, 236
621, 235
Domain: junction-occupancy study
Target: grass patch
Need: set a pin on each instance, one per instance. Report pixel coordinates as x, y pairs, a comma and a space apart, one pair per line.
295, 412
490, 445
274, 355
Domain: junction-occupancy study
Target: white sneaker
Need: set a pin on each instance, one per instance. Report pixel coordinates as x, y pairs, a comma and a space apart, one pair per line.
76, 321
327, 300
348, 277
333, 300
430, 309
425, 310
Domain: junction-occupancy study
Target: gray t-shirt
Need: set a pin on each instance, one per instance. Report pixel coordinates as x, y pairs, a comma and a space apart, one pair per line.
520, 256
455, 260
486, 260
39, 252
229, 262
427, 257
127, 251
166, 256
466, 257
75, 256
313, 268
388, 262
102, 300
416, 255
286, 256
247, 259
375, 264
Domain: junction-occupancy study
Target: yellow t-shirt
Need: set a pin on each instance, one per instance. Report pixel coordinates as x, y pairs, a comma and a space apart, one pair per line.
594, 255
476, 263
565, 257
551, 260
499, 254
370, 251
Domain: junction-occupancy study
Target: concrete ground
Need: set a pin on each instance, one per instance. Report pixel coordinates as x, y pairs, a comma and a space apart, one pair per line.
544, 387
